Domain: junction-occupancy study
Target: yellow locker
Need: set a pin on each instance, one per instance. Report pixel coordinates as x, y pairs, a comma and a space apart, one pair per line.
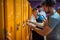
30, 10
26, 13
26, 18
1, 20
18, 17
29, 15
23, 28
9, 15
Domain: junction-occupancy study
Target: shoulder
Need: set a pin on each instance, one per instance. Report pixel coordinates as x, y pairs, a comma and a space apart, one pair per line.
53, 21
56, 16
32, 16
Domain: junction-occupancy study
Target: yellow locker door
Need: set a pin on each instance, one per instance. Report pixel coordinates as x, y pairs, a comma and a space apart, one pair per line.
26, 18
29, 15
23, 22
18, 19
29, 10
25, 35
9, 14
1, 20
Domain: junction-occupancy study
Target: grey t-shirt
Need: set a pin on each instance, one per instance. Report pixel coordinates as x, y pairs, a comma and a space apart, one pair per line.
54, 23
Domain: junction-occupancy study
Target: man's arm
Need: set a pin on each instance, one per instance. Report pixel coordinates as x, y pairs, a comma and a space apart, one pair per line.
39, 31
37, 23
44, 32
47, 29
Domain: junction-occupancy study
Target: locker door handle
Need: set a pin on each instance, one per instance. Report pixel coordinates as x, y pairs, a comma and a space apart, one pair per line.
17, 26
24, 23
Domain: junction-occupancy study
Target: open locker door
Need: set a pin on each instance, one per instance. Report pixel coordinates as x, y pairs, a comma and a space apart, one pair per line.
9, 15
18, 17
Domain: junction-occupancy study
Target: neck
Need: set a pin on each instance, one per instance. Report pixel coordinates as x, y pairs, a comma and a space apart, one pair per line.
35, 16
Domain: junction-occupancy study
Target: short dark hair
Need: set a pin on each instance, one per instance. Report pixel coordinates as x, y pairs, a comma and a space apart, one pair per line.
49, 3
39, 6
34, 9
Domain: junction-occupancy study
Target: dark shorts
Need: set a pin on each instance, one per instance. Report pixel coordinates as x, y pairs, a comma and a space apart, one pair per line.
36, 36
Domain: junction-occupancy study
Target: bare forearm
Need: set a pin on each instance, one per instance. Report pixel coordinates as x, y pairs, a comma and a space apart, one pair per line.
38, 24
44, 32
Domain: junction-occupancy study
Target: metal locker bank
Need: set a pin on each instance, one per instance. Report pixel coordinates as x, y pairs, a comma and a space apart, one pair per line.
13, 20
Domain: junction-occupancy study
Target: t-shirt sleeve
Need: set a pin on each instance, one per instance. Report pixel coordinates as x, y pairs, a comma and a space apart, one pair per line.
32, 19
53, 23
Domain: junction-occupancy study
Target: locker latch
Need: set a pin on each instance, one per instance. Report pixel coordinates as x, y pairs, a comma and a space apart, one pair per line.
18, 26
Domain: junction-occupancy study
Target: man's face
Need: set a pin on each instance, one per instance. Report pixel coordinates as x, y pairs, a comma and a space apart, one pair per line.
48, 9
35, 12
45, 8
39, 9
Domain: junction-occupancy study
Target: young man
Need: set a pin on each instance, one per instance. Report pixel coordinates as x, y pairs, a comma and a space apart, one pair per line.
52, 28
41, 11
34, 18
43, 14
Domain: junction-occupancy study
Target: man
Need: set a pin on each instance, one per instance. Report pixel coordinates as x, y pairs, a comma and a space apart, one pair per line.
52, 28
41, 11
43, 14
34, 18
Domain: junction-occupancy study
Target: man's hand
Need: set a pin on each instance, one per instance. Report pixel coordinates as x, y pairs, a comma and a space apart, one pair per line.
29, 21
30, 24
